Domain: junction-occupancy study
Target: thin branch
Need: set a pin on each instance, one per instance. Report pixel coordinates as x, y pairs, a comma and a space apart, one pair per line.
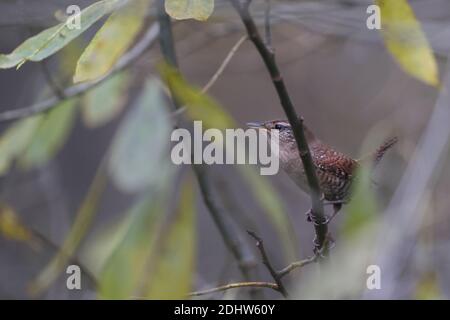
268, 57
126, 60
266, 261
215, 76
235, 286
296, 265
224, 64
267, 25
227, 229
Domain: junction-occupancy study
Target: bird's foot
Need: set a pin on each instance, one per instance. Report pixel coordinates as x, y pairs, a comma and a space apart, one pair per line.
308, 215
321, 251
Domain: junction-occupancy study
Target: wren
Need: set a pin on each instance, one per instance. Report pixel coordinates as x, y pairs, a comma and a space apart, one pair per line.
335, 170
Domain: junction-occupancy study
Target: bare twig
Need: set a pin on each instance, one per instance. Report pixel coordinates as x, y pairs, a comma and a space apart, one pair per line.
126, 60
224, 64
267, 26
266, 261
296, 265
268, 57
235, 286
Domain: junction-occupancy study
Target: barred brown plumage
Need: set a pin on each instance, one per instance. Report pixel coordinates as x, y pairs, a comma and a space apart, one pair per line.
334, 169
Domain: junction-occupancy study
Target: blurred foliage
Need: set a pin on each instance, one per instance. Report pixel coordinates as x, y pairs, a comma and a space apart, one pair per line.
199, 106
190, 9
11, 226
141, 142
127, 267
362, 209
15, 140
80, 227
271, 203
50, 135
172, 273
428, 287
53, 39
106, 101
111, 41
35, 140
406, 41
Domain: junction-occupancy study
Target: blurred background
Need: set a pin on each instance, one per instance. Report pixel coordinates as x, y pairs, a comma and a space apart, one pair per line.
351, 92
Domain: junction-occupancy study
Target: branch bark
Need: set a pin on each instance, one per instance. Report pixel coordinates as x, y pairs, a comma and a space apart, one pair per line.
268, 58
235, 286
266, 262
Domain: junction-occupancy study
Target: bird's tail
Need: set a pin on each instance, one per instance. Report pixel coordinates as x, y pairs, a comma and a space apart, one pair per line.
379, 153
376, 156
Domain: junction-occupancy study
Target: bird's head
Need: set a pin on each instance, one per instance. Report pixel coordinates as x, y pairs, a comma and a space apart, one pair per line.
282, 128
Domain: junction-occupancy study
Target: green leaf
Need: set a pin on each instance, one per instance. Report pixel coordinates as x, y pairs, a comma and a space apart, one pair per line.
272, 205
15, 140
406, 41
141, 142
173, 270
53, 39
123, 271
49, 137
190, 9
111, 41
362, 208
106, 101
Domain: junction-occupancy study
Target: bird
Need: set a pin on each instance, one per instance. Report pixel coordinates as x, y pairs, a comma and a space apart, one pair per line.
335, 170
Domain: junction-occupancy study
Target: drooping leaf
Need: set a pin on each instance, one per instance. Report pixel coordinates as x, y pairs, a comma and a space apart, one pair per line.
125, 269
106, 101
189, 9
142, 141
172, 272
406, 41
111, 41
53, 39
16, 139
199, 106
49, 137
11, 227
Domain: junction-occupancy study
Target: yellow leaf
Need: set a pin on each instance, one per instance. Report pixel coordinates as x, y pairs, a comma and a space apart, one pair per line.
199, 106
111, 41
11, 227
190, 9
406, 41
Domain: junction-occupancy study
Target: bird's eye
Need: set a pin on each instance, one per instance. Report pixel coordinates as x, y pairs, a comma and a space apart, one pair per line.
278, 127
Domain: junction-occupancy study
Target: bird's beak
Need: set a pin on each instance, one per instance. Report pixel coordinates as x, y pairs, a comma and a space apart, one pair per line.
256, 125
